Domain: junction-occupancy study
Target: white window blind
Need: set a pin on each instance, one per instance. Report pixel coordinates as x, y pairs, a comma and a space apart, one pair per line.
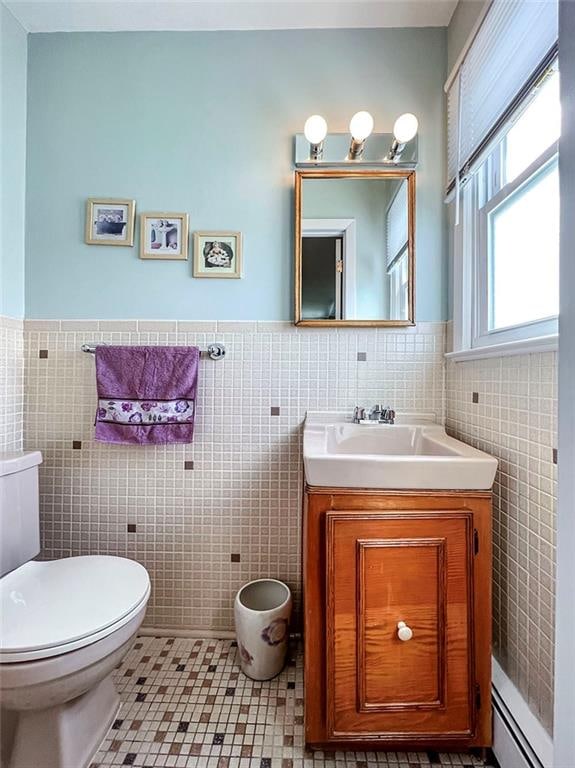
396, 225
511, 48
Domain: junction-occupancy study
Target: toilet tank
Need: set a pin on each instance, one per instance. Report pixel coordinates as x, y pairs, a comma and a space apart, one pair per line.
19, 510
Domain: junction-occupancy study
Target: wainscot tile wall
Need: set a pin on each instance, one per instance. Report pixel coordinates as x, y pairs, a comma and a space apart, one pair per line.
11, 383
507, 406
205, 518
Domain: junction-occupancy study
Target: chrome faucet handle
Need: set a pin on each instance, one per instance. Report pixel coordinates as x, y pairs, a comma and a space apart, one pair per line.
388, 415
375, 412
358, 414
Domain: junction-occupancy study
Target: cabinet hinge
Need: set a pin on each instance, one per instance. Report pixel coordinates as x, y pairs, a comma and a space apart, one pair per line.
476, 541
477, 696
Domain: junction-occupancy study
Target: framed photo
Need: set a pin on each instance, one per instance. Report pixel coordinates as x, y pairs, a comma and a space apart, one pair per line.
164, 236
217, 254
110, 222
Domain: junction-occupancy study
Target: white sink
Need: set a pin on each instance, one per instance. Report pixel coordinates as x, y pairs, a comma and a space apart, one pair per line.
414, 453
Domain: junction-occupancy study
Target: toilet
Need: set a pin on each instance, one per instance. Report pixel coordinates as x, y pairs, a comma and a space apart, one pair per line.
64, 626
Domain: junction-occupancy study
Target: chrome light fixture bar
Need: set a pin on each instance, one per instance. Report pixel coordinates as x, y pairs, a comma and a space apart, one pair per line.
316, 148
335, 153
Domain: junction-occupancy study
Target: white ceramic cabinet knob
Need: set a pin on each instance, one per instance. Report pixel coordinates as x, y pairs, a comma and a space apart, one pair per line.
403, 631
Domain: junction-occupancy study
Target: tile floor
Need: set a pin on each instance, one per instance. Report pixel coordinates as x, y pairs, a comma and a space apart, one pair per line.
185, 703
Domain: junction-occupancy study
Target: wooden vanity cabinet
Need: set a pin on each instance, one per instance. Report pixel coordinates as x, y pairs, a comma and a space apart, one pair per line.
373, 559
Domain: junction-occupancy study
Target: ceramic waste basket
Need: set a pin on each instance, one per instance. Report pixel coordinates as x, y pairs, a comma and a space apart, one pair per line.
262, 613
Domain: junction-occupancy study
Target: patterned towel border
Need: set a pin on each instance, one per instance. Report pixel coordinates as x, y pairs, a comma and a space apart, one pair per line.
145, 412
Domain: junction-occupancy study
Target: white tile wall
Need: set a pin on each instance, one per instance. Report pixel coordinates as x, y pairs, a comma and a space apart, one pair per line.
11, 383
515, 420
243, 495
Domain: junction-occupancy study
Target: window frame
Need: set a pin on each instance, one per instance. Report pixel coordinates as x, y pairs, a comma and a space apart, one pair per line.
398, 305
483, 335
481, 192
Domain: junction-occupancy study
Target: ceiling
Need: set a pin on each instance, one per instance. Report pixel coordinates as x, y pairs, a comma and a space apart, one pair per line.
184, 15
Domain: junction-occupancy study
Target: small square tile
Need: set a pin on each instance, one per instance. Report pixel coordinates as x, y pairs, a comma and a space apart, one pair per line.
224, 734
274, 410
361, 357
475, 397
76, 445
43, 354
235, 558
131, 527
188, 464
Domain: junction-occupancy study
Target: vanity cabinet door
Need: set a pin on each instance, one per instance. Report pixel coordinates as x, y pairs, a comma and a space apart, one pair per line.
385, 680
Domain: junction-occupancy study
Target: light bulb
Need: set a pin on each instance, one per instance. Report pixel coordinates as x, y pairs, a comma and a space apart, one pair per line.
405, 128
315, 129
361, 125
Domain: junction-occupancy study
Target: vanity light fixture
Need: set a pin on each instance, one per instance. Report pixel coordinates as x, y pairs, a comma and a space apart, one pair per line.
360, 127
314, 147
315, 131
404, 130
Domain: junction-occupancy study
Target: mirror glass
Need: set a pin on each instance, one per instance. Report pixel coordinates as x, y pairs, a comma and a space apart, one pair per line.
354, 254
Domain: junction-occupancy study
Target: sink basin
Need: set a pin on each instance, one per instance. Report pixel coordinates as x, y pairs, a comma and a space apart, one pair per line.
414, 453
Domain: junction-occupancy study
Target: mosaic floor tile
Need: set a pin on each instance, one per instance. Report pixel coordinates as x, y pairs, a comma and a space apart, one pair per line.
186, 704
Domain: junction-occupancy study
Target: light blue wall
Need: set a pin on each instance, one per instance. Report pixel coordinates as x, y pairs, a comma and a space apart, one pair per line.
13, 56
204, 122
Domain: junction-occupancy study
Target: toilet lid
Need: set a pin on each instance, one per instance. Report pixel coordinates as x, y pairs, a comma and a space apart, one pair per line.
45, 606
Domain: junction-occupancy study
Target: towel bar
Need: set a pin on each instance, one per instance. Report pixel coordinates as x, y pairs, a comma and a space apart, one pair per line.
215, 350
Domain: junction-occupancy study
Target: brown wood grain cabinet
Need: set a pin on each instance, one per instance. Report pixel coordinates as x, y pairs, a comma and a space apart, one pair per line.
374, 559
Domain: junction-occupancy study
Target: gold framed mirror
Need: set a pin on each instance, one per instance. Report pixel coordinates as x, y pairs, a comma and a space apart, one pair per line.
354, 247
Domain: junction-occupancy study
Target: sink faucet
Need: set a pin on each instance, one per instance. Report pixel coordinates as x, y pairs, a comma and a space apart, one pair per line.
379, 414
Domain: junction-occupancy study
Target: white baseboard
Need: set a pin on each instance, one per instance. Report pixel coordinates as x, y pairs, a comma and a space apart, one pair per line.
519, 739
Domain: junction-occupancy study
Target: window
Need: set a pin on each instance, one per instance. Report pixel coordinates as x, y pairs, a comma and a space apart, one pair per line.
398, 288
510, 227
397, 257
522, 250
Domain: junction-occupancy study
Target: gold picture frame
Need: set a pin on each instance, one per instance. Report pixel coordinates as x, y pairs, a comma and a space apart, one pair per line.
164, 236
110, 221
218, 254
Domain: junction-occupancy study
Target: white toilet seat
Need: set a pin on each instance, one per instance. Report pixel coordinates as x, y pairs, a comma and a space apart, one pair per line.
53, 607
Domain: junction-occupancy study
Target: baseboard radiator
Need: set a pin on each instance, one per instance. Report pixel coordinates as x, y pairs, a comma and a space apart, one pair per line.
519, 739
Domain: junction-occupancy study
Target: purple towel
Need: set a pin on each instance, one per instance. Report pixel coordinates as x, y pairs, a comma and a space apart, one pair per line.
146, 395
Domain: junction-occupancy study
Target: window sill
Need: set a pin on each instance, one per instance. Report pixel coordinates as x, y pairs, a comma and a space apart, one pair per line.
521, 347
